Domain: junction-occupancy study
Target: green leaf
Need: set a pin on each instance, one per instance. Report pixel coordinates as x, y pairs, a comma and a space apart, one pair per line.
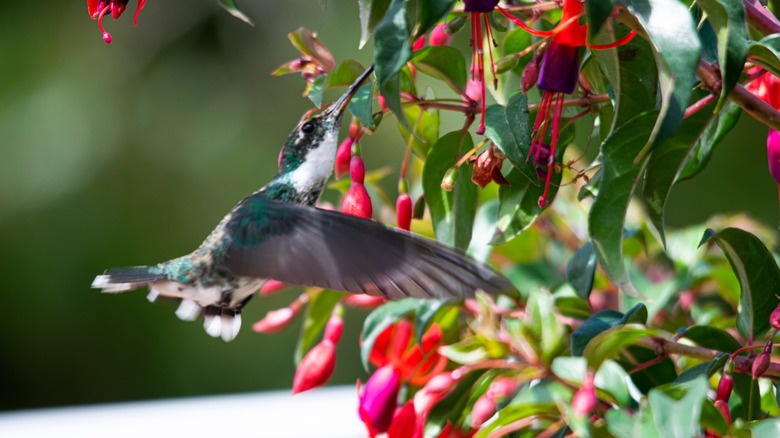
728, 20
344, 74
515, 41
601, 321
391, 52
766, 53
543, 324
381, 318
620, 175
676, 48
509, 128
667, 162
679, 418
712, 337
423, 316
745, 389
425, 125
307, 43
519, 204
450, 407
361, 106
597, 12
232, 8
452, 213
315, 90
534, 400
713, 133
484, 228
581, 269
759, 279
431, 11
371, 11
610, 342
706, 369
444, 63
610, 378
318, 312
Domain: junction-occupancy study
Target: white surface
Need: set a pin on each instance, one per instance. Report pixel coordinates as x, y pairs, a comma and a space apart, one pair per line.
324, 413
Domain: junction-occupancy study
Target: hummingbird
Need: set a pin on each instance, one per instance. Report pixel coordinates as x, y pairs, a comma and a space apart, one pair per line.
278, 233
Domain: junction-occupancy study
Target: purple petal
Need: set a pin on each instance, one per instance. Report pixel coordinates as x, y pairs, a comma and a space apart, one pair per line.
380, 397
479, 5
560, 69
773, 150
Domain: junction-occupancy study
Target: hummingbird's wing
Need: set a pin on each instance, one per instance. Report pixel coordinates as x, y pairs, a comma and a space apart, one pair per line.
309, 246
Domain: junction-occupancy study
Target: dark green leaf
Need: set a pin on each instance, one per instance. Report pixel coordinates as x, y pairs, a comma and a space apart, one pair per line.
745, 389
706, 369
444, 63
519, 204
597, 12
371, 11
573, 307
679, 418
318, 312
361, 106
391, 52
581, 269
728, 21
620, 175
712, 337
484, 228
509, 128
667, 162
601, 321
611, 341
715, 131
431, 11
380, 319
232, 8
426, 311
316, 89
452, 213
759, 279
677, 48
766, 53
344, 74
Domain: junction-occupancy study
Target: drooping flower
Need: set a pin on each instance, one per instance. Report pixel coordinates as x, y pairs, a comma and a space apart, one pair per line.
316, 367
478, 11
558, 76
379, 399
100, 8
357, 202
403, 211
487, 167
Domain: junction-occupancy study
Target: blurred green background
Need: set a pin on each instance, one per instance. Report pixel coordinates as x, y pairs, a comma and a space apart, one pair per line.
130, 153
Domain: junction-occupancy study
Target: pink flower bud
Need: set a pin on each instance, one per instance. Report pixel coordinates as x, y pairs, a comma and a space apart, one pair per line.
404, 422
343, 157
357, 202
333, 329
725, 386
361, 301
354, 129
382, 103
107, 37
419, 43
440, 383
357, 170
774, 318
439, 36
502, 387
275, 320
529, 76
316, 367
761, 363
483, 409
473, 91
584, 400
271, 287
723, 407
403, 211
773, 150
379, 398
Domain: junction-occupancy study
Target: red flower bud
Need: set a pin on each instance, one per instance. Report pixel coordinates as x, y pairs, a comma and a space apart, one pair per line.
357, 170
483, 409
271, 286
774, 318
502, 387
419, 43
362, 301
584, 400
761, 363
333, 329
723, 407
403, 211
357, 202
382, 103
354, 129
316, 367
343, 157
440, 383
725, 386
439, 36
529, 76
473, 91
404, 422
275, 320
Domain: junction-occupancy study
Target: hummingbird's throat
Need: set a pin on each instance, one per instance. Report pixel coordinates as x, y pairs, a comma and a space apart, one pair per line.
313, 173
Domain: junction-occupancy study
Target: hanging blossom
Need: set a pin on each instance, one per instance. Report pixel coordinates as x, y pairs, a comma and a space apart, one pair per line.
767, 88
558, 76
478, 11
399, 360
100, 8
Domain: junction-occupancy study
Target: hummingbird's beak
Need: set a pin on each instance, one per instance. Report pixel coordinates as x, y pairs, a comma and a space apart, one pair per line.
340, 105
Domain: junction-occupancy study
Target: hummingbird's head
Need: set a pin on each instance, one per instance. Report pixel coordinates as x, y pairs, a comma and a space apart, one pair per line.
309, 153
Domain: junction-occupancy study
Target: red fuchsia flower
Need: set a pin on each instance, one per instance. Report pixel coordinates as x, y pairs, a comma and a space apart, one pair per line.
558, 76
766, 87
761, 362
439, 36
723, 407
357, 202
316, 367
343, 157
487, 167
379, 399
403, 211
774, 317
271, 287
419, 43
100, 8
277, 320
485, 406
725, 387
404, 421
480, 27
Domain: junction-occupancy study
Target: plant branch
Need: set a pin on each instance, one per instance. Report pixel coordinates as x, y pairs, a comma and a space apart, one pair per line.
759, 18
757, 108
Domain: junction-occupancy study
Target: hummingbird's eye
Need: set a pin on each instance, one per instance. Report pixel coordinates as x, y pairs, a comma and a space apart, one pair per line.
307, 128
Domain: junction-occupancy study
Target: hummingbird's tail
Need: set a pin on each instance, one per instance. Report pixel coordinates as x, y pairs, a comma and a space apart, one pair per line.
117, 280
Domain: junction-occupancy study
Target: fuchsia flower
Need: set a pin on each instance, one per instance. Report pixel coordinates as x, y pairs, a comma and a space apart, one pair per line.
100, 8
357, 202
318, 364
767, 88
379, 399
439, 36
558, 76
480, 27
585, 400
403, 211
